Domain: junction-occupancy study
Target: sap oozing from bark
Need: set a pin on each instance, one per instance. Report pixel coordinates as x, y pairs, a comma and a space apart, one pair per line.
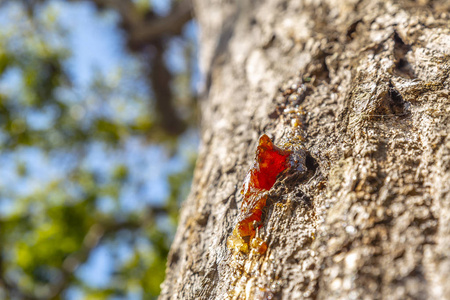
269, 163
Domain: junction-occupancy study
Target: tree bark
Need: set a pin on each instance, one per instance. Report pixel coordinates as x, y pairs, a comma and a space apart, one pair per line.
369, 81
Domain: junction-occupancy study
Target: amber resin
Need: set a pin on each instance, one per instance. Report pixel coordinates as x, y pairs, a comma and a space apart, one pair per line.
270, 161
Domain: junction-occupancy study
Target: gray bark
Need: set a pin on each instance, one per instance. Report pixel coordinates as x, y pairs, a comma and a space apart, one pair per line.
370, 219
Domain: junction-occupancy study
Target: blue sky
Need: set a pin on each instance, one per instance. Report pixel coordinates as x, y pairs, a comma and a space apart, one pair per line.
95, 42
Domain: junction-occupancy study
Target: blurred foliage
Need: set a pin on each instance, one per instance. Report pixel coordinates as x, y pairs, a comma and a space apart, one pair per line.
80, 167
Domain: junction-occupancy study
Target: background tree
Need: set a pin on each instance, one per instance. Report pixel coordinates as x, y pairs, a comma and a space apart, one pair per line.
368, 81
84, 167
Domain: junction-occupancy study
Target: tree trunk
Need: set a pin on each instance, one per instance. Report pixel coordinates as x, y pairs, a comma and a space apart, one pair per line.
368, 81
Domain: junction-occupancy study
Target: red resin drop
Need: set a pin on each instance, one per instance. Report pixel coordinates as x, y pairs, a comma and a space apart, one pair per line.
269, 163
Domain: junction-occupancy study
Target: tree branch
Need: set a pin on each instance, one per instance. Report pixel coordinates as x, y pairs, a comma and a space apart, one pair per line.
152, 30
160, 79
145, 29
172, 24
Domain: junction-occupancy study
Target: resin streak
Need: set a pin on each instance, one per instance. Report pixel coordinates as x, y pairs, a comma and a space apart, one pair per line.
269, 163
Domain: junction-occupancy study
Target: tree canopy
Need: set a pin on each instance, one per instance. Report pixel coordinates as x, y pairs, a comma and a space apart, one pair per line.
92, 172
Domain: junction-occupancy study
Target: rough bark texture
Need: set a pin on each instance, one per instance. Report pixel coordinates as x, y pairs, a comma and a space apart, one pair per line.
370, 220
